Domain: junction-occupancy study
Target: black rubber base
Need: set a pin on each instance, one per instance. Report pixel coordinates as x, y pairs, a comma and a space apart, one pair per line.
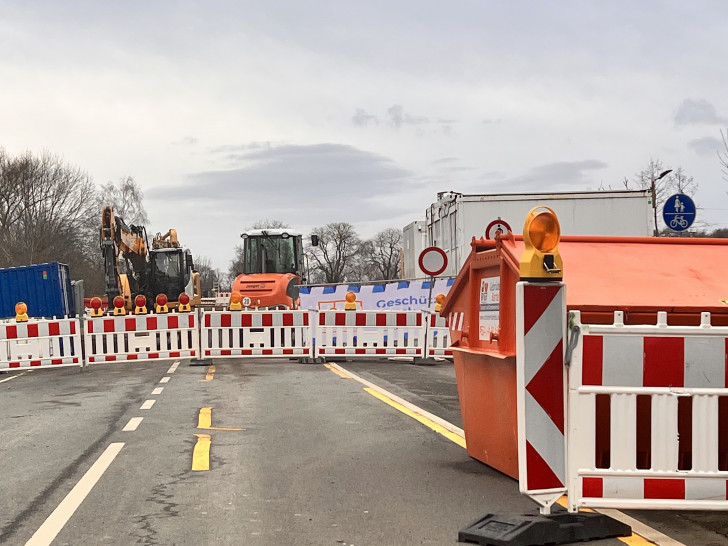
560, 527
200, 361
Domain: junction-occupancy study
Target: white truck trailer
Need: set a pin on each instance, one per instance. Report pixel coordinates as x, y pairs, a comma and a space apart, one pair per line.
455, 218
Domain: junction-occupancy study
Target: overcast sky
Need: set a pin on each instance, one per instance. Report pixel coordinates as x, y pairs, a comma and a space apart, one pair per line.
311, 112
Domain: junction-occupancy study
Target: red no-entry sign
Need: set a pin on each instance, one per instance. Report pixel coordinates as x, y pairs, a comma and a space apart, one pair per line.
433, 261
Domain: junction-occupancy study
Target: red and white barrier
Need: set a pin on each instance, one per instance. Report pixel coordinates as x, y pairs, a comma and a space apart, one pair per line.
541, 390
40, 343
438, 337
663, 392
258, 333
141, 337
370, 333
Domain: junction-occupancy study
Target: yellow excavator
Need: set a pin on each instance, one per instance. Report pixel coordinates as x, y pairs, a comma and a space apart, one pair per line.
165, 268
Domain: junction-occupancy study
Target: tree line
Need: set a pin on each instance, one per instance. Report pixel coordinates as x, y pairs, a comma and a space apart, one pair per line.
50, 212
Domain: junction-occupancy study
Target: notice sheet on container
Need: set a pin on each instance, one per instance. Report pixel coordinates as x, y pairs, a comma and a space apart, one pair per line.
489, 307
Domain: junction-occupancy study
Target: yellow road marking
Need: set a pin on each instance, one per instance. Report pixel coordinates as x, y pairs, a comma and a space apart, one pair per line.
210, 373
201, 454
459, 440
337, 372
204, 421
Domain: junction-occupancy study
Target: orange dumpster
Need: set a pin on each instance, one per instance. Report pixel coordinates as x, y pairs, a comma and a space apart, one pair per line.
637, 275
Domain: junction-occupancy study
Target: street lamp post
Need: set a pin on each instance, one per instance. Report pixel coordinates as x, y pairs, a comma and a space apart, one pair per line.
654, 195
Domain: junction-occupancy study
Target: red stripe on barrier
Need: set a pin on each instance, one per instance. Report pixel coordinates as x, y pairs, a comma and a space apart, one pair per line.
540, 475
55, 361
208, 352
174, 354
359, 351
11, 332
207, 321
108, 325
401, 319
664, 362
54, 329
172, 321
153, 355
36, 363
225, 352
664, 489
379, 351
267, 320
287, 351
339, 351
381, 319
110, 358
90, 325
340, 319
321, 317
246, 352
400, 351
360, 319
592, 364
418, 319
132, 357
130, 324
14, 365
226, 320
287, 319
267, 352
305, 319
32, 329
592, 487
151, 323
73, 327
246, 320
547, 387
539, 298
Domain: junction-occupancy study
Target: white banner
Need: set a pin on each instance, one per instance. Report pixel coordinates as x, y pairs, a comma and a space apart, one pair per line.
387, 296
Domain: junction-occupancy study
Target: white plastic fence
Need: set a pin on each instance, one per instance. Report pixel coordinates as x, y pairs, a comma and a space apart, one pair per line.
648, 416
438, 336
260, 333
140, 337
370, 333
40, 343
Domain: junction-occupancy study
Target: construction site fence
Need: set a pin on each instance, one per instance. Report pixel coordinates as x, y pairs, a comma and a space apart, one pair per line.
222, 334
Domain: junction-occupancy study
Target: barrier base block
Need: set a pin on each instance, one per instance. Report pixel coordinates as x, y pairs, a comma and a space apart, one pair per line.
560, 527
200, 361
312, 360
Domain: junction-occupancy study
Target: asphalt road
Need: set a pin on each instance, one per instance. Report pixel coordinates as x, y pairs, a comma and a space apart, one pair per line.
297, 455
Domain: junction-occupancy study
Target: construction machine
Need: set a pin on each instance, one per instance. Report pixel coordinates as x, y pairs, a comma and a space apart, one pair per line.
272, 269
165, 268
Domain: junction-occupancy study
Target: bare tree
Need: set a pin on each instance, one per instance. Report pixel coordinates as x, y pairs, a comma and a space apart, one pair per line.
335, 259
664, 182
209, 277
126, 197
48, 212
384, 256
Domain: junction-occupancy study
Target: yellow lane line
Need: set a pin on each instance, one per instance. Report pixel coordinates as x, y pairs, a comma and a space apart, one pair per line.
204, 421
337, 371
201, 454
459, 440
210, 373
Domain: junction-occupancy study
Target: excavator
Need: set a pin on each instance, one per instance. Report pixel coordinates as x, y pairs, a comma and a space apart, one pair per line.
165, 268
272, 268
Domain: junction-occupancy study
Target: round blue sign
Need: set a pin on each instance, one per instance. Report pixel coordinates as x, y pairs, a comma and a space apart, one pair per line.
679, 212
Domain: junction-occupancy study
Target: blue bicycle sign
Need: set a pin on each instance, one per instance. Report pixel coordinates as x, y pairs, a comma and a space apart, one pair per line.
679, 212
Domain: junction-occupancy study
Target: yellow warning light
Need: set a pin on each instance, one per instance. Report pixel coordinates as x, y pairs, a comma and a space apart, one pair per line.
119, 306
21, 312
183, 303
350, 301
96, 304
541, 234
438, 302
235, 299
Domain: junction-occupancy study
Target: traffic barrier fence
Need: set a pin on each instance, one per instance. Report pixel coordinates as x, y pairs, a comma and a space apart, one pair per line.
40, 343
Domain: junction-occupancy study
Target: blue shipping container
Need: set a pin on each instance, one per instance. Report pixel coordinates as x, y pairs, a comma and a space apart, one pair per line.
45, 288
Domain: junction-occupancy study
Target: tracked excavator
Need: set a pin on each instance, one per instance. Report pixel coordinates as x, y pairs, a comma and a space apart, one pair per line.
132, 268
272, 269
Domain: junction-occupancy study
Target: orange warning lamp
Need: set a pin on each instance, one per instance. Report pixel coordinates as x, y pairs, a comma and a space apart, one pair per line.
96, 310
21, 312
541, 234
438, 302
183, 302
141, 305
235, 301
350, 301
119, 306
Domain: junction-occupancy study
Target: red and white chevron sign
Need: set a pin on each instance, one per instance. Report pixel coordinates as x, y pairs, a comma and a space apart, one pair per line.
541, 389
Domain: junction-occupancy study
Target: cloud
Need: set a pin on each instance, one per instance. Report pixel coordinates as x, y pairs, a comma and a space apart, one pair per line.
363, 119
559, 176
698, 111
294, 183
706, 146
